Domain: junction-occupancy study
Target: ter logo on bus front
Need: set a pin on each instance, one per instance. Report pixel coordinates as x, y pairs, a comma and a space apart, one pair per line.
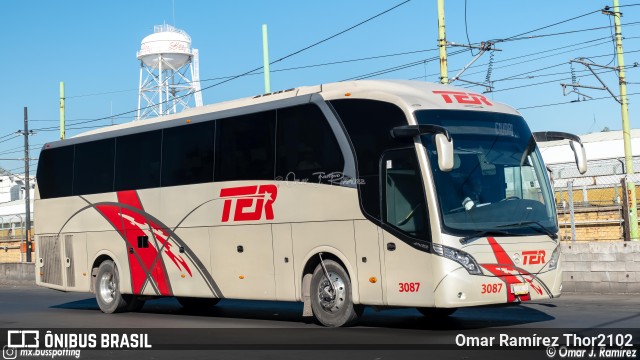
249, 202
463, 98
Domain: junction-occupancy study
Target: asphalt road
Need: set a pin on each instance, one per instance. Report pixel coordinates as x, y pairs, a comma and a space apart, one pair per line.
238, 329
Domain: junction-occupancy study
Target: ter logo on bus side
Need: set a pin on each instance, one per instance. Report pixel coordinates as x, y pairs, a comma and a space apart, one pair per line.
249, 202
463, 98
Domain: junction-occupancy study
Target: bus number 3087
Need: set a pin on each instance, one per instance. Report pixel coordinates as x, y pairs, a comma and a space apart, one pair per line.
491, 288
409, 286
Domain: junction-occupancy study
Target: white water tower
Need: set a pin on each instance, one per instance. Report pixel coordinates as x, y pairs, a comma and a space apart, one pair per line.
169, 74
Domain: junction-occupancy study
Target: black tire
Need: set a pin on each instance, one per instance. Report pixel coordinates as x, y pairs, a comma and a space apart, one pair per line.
436, 312
329, 308
107, 287
195, 303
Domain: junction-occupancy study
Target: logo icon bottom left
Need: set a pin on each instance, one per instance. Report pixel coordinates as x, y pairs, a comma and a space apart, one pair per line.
9, 352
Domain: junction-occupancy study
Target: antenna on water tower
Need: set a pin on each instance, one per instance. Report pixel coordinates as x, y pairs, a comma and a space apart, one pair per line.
169, 73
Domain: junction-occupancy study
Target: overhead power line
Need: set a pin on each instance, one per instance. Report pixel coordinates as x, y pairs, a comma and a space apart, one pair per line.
538, 58
337, 62
340, 33
553, 66
533, 54
548, 26
570, 102
466, 29
399, 67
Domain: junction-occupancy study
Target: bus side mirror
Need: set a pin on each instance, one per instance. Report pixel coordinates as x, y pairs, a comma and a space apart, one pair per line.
574, 142
444, 146
580, 155
442, 138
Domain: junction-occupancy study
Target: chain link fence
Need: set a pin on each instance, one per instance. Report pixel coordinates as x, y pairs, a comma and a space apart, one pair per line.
591, 205
12, 239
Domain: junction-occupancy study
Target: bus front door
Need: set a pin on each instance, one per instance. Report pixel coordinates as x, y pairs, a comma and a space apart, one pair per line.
407, 262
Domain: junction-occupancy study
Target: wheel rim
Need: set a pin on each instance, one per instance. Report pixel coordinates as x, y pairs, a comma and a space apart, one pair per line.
107, 287
331, 301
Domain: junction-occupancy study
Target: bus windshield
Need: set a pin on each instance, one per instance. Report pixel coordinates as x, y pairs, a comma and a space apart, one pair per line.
498, 182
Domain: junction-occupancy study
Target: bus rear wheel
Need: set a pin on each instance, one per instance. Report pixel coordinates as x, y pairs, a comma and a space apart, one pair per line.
436, 312
331, 300
107, 286
195, 303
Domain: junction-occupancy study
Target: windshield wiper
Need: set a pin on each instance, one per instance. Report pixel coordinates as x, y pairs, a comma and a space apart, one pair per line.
541, 228
484, 233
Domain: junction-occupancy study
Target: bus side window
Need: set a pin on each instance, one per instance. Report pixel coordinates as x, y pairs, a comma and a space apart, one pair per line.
368, 124
245, 147
93, 167
138, 161
404, 206
55, 172
187, 154
306, 148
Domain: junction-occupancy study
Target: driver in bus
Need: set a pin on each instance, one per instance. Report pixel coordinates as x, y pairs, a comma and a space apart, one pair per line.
472, 186
463, 184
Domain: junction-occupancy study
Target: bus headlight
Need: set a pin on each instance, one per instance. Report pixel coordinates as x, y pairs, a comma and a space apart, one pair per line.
555, 257
467, 261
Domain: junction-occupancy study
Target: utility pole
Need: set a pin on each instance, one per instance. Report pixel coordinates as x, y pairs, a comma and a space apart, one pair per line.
27, 186
624, 109
442, 44
265, 58
62, 111
626, 130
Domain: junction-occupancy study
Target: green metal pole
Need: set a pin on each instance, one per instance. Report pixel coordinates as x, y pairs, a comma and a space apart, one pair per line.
626, 130
265, 56
442, 44
62, 119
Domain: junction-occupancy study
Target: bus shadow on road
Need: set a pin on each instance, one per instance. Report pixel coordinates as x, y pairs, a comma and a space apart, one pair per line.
86, 304
462, 319
403, 318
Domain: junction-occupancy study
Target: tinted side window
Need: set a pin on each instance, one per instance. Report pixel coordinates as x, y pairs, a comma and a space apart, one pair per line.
368, 124
138, 161
93, 167
187, 154
405, 207
306, 146
245, 147
55, 172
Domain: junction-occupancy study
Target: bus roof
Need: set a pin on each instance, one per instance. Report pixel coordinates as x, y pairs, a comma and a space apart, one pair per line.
418, 95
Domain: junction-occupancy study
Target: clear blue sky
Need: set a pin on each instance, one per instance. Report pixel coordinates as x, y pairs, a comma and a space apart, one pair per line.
92, 46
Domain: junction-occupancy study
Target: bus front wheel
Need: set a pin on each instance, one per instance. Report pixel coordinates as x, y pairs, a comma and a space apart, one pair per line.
331, 300
107, 286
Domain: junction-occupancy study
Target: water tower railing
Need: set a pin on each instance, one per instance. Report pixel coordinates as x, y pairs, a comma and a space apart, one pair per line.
170, 28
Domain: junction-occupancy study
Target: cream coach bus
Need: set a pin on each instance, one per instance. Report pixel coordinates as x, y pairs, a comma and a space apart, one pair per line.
379, 193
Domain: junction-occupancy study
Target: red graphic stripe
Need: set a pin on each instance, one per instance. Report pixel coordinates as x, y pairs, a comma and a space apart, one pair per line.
138, 272
506, 270
131, 225
149, 257
129, 197
498, 251
162, 236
